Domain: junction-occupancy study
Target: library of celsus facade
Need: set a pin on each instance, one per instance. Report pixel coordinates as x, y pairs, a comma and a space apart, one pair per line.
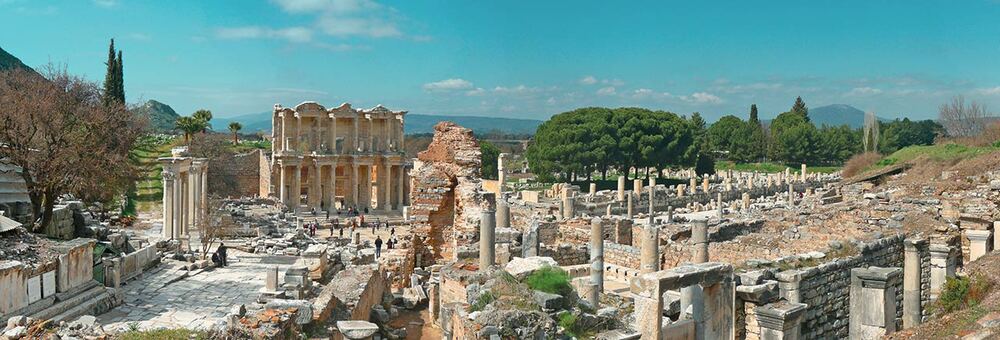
338, 158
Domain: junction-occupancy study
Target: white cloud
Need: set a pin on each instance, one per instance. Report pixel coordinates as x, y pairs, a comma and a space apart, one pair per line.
613, 82
991, 91
591, 80
292, 34
551, 101
607, 91
342, 47
343, 18
106, 3
519, 89
702, 98
475, 92
452, 84
862, 91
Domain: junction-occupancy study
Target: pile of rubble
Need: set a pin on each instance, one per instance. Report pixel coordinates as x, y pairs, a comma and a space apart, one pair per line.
20, 245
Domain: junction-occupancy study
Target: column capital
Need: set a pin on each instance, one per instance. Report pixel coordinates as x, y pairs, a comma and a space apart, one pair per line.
781, 315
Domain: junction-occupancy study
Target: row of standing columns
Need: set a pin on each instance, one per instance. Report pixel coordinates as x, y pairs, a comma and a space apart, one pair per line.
323, 180
185, 195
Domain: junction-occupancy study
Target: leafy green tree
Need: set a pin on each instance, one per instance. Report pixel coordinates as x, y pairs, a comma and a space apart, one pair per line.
901, 133
797, 144
721, 134
489, 155
800, 108
705, 164
837, 144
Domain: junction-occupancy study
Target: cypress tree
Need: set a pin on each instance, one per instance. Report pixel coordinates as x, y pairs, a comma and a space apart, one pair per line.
753, 115
110, 84
119, 80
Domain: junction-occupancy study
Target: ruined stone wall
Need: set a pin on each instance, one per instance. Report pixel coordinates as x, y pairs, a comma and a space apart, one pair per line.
76, 264
621, 255
447, 193
826, 288
567, 254
242, 175
667, 196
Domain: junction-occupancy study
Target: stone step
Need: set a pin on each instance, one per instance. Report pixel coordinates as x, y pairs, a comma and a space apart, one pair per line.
87, 307
61, 307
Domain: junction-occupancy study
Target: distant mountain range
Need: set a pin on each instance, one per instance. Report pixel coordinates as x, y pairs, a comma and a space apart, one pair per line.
836, 115
161, 116
415, 123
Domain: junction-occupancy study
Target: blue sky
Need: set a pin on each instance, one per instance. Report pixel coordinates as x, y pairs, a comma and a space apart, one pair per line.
525, 59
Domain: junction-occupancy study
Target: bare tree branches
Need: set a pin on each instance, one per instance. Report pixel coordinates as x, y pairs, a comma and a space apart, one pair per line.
62, 136
961, 120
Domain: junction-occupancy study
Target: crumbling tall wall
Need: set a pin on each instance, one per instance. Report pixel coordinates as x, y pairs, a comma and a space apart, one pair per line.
447, 193
242, 175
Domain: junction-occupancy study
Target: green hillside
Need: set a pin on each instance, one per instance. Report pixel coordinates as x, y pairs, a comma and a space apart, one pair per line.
161, 116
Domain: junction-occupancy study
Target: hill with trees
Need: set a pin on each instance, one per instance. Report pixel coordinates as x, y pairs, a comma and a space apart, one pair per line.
161, 116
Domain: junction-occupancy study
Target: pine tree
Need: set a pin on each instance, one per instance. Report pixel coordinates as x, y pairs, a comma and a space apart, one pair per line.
800, 108
110, 84
753, 115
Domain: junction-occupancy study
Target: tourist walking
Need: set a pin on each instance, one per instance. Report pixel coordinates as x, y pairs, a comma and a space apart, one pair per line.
221, 251
378, 247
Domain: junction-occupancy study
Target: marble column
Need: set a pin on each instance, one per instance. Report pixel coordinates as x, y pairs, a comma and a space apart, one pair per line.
204, 189
699, 238
569, 208
593, 189
296, 188
629, 213
487, 239
803, 173
386, 186
719, 206
596, 262
354, 185
401, 187
169, 177
529, 239
178, 217
316, 189
650, 251
368, 186
355, 147
693, 185
621, 188
332, 206
501, 172
503, 214
912, 312
283, 185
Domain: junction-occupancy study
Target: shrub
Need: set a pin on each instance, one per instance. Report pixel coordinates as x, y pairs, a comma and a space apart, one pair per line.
859, 163
550, 280
962, 292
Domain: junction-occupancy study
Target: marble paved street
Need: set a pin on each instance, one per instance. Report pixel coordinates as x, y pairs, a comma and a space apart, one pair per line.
196, 302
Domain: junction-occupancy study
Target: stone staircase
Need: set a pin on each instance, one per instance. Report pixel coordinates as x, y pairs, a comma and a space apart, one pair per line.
91, 299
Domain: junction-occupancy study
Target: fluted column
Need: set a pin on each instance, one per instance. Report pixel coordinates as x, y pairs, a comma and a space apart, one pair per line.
367, 178
204, 188
333, 133
316, 190
401, 188
284, 133
371, 133
596, 262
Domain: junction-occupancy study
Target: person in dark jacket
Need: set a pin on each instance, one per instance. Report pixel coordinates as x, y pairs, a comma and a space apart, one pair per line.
222, 254
378, 246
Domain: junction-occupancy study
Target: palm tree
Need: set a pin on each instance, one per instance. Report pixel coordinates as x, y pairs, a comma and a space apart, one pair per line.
235, 127
204, 116
189, 126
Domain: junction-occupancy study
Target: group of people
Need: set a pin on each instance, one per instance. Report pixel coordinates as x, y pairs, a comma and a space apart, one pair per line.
388, 244
356, 219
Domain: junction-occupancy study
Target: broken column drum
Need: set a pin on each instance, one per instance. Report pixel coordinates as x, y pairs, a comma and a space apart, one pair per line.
487, 239
503, 214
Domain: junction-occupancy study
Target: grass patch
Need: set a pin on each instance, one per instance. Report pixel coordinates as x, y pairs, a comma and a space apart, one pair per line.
551, 280
949, 152
568, 321
768, 167
164, 334
481, 302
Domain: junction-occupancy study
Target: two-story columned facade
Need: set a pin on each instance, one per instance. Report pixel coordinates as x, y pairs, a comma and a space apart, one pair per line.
337, 158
